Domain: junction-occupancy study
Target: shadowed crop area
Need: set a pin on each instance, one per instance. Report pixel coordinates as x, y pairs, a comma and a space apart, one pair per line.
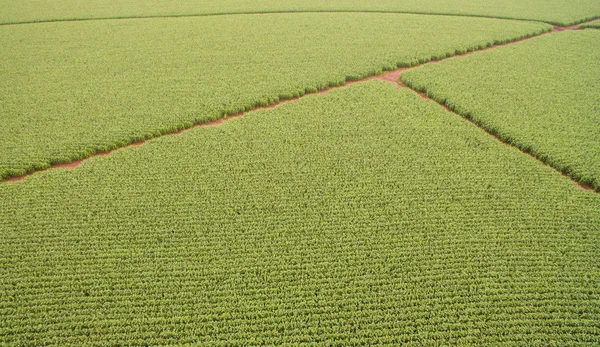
558, 12
69, 90
362, 216
541, 95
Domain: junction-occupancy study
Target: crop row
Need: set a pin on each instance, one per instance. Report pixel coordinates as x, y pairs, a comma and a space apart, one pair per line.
532, 95
69, 90
362, 216
592, 25
556, 12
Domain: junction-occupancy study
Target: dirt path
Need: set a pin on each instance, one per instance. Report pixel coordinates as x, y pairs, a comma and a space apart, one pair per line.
392, 77
445, 107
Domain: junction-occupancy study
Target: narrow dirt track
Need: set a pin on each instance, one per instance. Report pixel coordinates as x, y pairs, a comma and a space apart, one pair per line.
394, 77
391, 76
399, 83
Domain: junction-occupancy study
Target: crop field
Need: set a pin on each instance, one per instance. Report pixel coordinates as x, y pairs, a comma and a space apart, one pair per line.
129, 80
366, 215
532, 94
340, 173
557, 12
593, 25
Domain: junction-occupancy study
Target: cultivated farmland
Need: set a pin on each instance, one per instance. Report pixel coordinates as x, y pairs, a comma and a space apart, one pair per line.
593, 25
552, 11
540, 95
236, 173
363, 216
128, 80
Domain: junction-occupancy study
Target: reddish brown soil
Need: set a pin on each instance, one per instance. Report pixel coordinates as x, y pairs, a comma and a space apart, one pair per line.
583, 186
18, 178
392, 76
570, 27
72, 165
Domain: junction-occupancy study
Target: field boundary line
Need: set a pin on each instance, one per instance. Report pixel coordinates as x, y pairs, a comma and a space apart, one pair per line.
388, 76
491, 133
216, 14
395, 77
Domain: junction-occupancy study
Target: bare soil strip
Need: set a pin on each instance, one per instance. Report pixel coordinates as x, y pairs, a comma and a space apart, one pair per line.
391, 76
394, 76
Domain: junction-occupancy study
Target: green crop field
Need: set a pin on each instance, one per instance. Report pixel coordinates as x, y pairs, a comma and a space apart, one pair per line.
592, 25
73, 89
553, 11
399, 173
541, 95
362, 216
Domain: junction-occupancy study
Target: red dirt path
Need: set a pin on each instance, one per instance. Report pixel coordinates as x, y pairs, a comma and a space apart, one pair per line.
393, 77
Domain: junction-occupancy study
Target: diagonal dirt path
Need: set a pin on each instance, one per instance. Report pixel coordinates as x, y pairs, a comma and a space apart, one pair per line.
391, 76
394, 77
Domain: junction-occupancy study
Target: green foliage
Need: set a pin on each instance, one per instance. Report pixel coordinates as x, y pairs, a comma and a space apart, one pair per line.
592, 25
363, 216
552, 11
68, 90
540, 95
